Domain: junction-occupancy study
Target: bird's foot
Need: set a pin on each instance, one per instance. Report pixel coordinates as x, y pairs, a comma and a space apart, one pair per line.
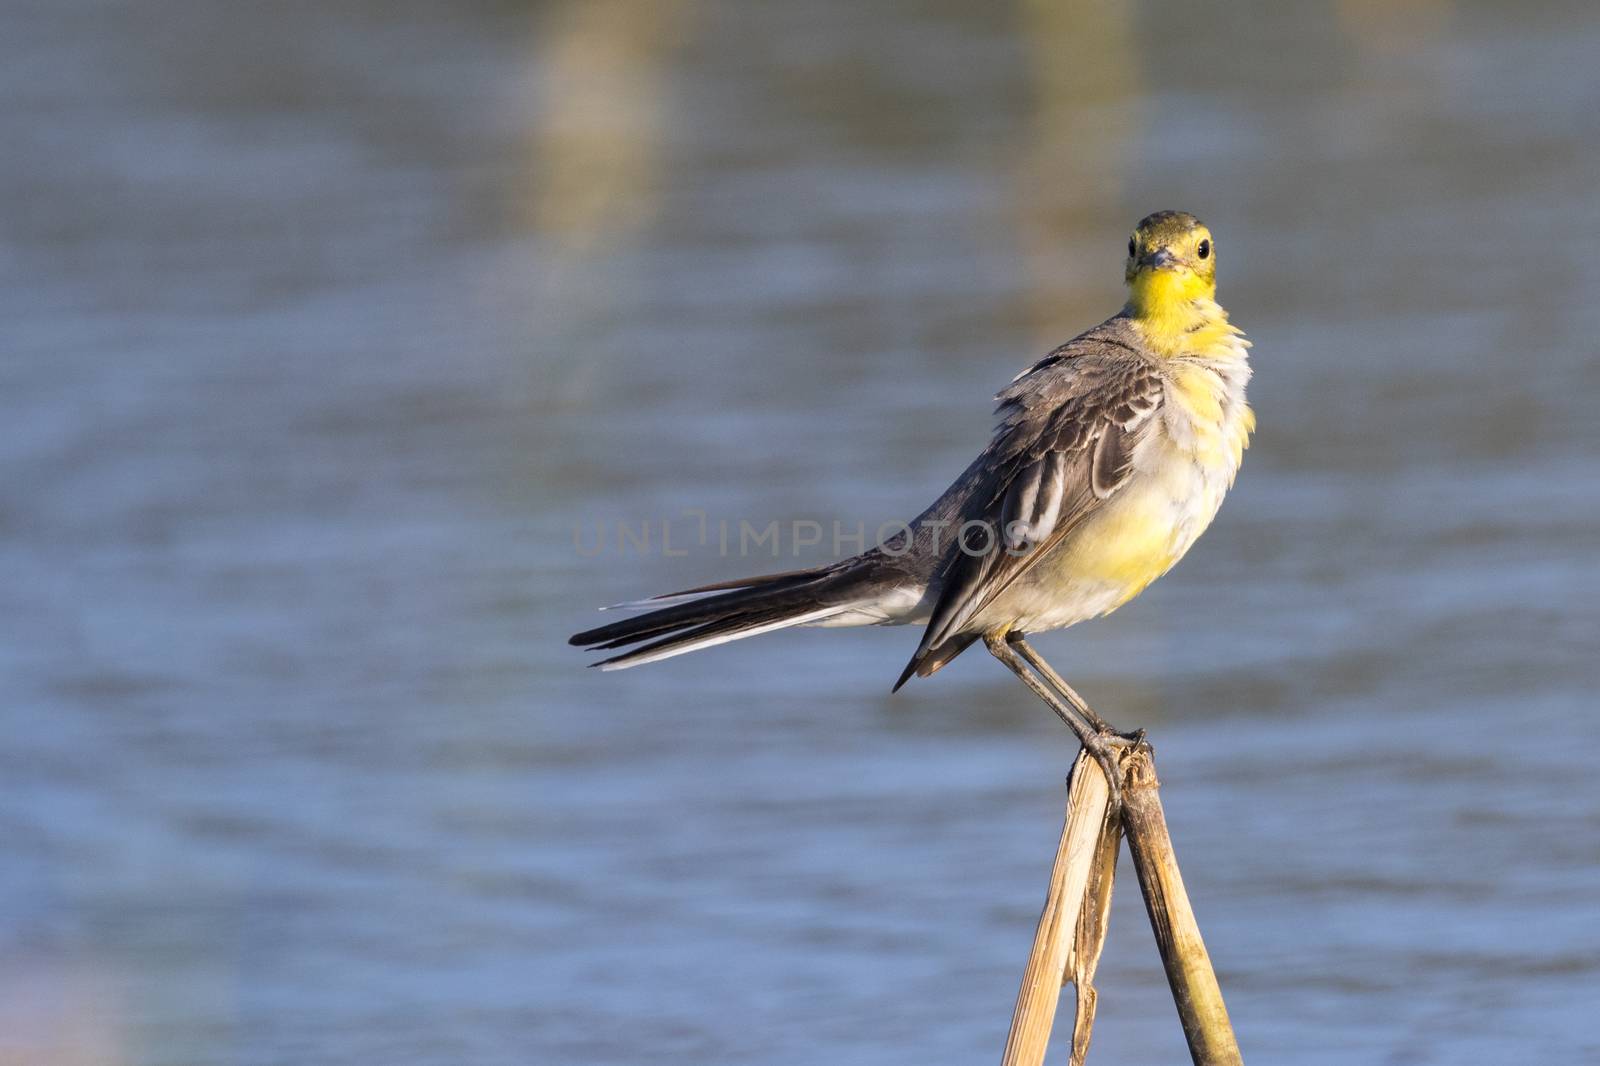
1106, 747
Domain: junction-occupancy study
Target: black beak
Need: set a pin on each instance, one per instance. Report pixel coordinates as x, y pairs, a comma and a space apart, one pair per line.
1158, 259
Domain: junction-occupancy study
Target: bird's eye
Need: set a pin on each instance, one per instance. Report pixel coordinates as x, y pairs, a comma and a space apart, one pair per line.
1133, 247
1205, 249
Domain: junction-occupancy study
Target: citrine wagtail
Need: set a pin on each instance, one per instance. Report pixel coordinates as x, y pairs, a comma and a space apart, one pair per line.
1111, 457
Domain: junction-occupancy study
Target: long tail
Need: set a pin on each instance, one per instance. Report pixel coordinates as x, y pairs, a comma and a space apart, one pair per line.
731, 610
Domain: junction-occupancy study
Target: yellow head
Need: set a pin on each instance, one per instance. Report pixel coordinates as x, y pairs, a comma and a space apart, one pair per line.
1172, 262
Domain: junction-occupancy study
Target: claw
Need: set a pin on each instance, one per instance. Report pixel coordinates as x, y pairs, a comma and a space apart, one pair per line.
1096, 745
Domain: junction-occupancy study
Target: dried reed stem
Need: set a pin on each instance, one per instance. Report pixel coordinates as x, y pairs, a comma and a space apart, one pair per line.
1088, 797
1183, 952
1093, 920
1072, 928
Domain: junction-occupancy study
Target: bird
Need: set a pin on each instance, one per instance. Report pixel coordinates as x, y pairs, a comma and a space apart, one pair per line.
1110, 456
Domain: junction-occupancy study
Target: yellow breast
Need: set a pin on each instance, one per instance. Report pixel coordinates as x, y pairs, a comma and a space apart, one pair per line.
1182, 470
1207, 411
1135, 538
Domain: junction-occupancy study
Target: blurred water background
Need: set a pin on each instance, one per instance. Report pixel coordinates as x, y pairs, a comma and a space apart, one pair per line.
326, 326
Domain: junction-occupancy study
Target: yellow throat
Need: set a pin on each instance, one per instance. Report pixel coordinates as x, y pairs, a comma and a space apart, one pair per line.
1174, 310
1172, 284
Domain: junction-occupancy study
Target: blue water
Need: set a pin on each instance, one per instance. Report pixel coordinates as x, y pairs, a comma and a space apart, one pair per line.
325, 328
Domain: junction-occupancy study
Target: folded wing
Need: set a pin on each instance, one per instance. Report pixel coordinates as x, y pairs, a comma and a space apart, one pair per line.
1068, 429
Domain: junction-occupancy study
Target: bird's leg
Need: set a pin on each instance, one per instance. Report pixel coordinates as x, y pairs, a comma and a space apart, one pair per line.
1091, 731
1067, 692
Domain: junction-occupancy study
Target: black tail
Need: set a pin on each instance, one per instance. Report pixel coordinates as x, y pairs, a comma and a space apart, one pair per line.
702, 617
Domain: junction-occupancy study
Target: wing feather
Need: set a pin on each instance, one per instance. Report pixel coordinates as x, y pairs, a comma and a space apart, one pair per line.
1065, 445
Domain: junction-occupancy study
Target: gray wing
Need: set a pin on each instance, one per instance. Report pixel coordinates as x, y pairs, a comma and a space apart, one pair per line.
1064, 446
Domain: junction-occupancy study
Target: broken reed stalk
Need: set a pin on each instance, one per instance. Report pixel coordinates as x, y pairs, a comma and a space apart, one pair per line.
1093, 920
1183, 952
1088, 798
1079, 903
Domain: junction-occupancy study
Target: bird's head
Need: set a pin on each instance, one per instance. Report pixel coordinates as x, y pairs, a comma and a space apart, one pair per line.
1171, 258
